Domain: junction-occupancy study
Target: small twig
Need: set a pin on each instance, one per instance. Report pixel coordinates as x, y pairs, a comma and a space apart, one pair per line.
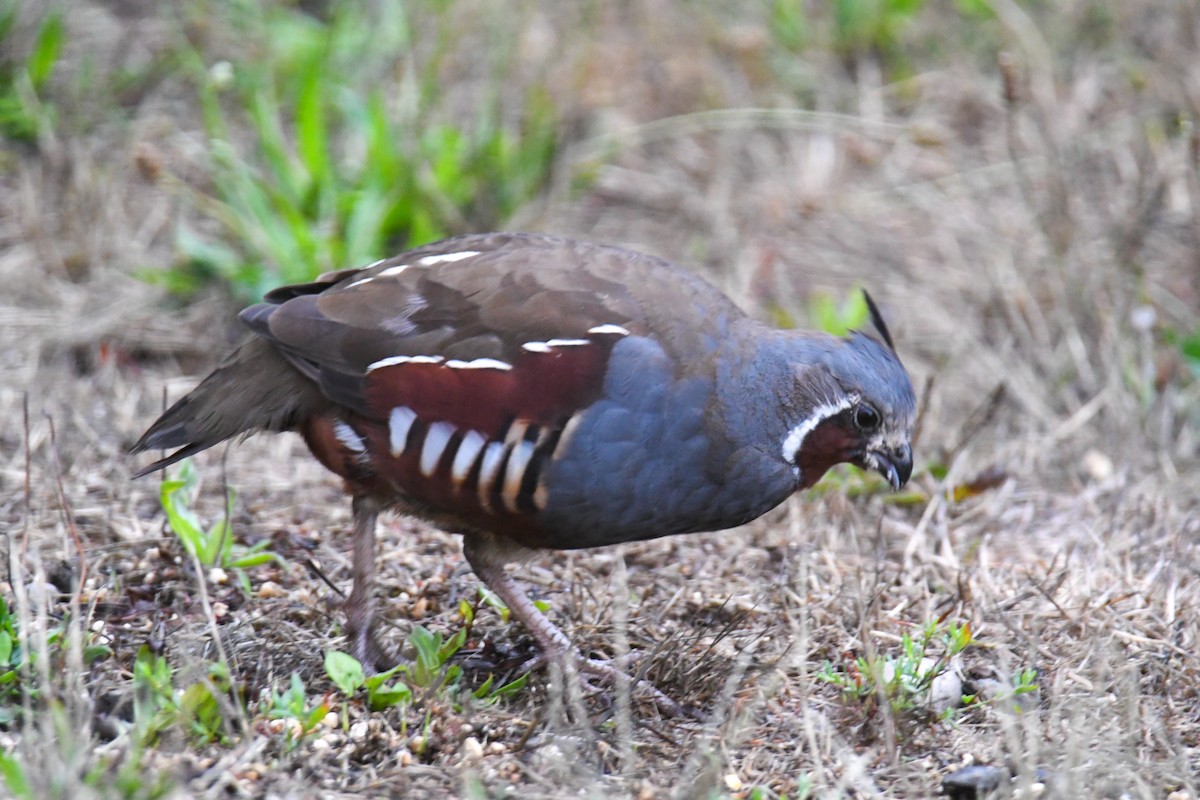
922, 409
28, 480
978, 419
316, 570
68, 517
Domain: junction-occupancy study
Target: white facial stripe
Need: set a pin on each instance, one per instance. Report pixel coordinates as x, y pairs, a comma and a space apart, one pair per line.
796, 436
436, 439
446, 258
400, 422
609, 328
479, 363
349, 437
514, 473
395, 360
468, 451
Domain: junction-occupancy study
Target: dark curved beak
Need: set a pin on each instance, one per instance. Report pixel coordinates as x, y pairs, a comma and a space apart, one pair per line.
895, 464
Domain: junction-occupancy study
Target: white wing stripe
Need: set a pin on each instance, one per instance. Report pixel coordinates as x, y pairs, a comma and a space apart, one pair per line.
395, 360
446, 258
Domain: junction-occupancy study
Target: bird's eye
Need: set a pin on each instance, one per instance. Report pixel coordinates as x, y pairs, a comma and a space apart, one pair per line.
866, 418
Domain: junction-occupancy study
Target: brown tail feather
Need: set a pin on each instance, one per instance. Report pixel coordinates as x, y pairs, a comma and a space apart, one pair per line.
255, 388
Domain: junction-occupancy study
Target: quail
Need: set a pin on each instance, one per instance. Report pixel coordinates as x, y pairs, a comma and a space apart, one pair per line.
540, 393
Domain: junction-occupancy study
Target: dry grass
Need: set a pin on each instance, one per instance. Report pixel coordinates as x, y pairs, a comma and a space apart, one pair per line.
1013, 240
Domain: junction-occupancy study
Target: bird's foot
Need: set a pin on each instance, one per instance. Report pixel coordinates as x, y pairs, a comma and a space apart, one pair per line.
609, 673
373, 656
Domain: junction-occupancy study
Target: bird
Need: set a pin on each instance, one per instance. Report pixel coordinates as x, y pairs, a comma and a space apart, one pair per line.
537, 393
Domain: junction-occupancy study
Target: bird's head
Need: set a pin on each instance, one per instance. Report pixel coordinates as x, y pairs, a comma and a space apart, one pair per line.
857, 406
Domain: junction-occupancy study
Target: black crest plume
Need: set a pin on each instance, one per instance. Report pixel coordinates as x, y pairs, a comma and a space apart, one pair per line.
877, 321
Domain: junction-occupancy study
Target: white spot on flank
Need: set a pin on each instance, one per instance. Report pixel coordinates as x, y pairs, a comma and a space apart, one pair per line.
479, 363
446, 258
796, 436
541, 495
492, 456
360, 281
536, 347
514, 473
390, 271
468, 451
400, 422
609, 328
395, 360
436, 440
349, 437
516, 431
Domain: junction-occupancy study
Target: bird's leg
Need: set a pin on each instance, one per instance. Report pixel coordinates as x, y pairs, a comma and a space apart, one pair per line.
360, 606
486, 557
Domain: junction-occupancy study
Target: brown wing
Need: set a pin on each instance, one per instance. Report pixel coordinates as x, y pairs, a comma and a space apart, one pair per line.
473, 298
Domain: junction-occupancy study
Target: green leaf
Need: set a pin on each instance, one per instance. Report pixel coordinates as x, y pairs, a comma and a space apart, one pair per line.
14, 777
379, 678
385, 697
96, 652
46, 47
311, 132
344, 670
452, 645
512, 687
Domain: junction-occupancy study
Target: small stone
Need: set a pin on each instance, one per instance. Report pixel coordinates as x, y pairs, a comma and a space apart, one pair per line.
320, 745
733, 782
359, 731
1097, 465
973, 782
220, 610
220, 74
291, 727
270, 589
218, 576
472, 748
1143, 318
946, 690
